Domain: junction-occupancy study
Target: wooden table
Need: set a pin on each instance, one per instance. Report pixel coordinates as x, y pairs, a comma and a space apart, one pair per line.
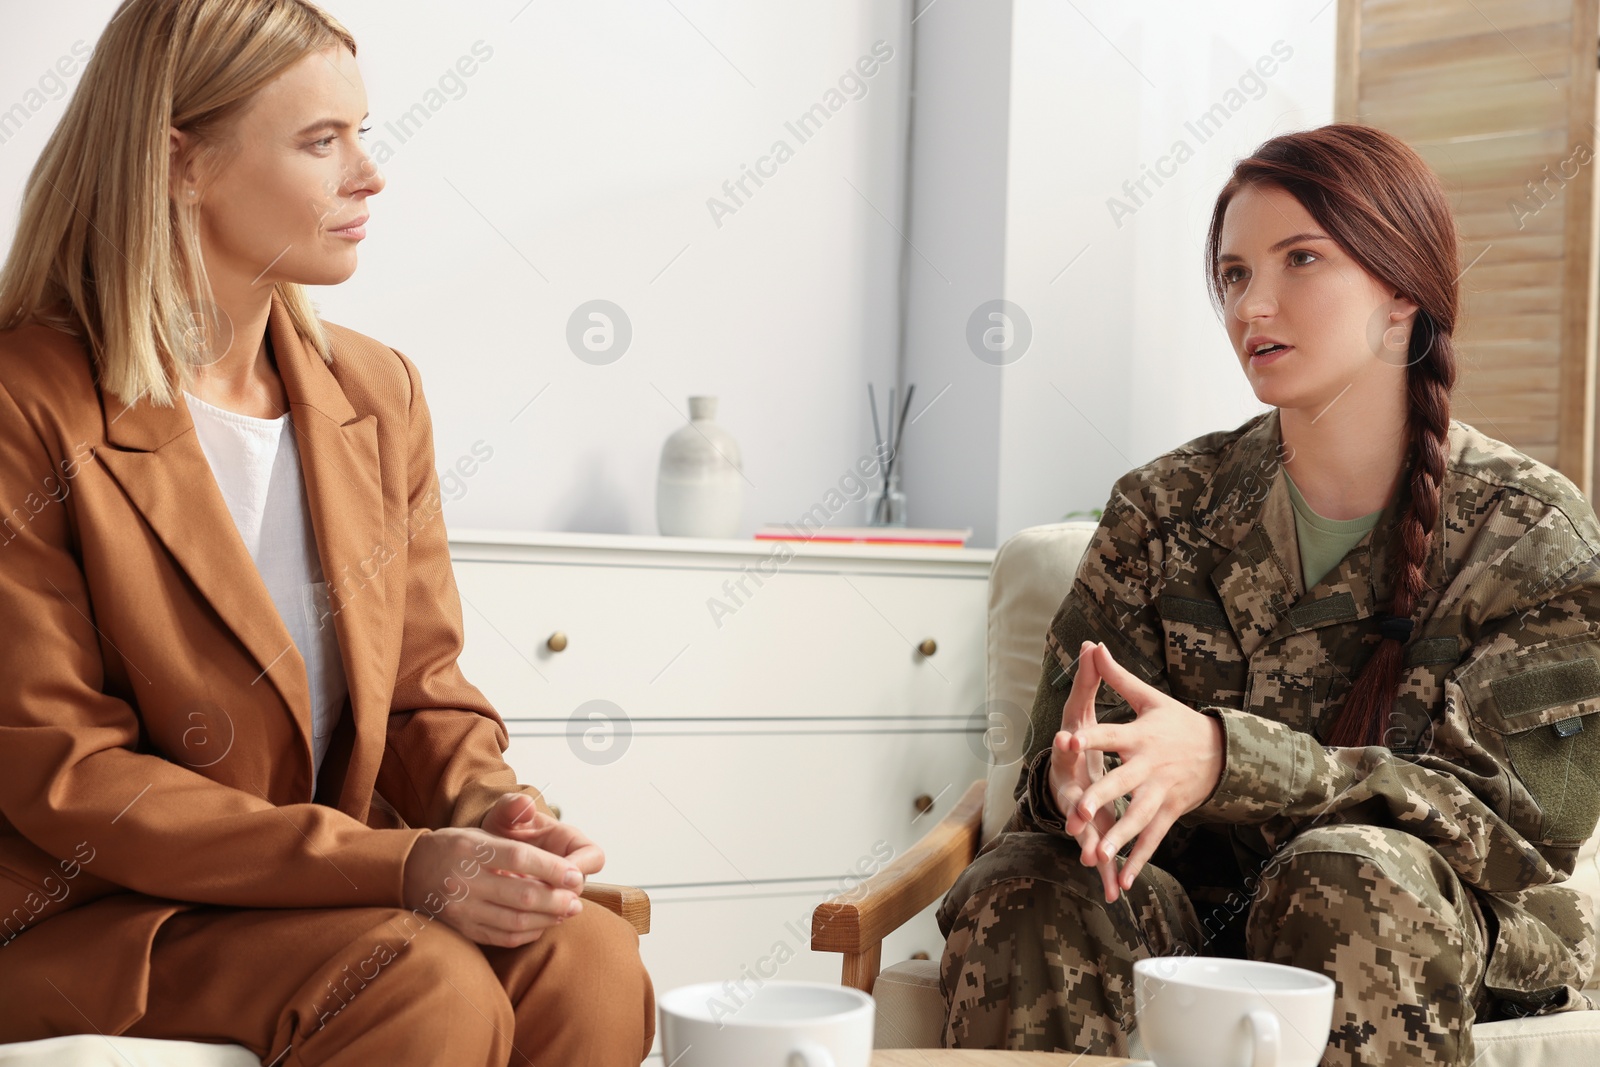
959, 1057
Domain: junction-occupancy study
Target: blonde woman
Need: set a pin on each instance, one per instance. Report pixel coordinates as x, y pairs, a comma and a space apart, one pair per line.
247, 794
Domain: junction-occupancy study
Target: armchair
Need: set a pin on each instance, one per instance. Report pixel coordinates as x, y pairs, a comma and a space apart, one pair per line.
1031, 575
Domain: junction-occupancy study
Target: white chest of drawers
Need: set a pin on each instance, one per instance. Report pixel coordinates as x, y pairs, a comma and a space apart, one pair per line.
743, 726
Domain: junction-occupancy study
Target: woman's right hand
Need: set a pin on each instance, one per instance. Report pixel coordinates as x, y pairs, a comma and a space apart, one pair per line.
1071, 774
493, 890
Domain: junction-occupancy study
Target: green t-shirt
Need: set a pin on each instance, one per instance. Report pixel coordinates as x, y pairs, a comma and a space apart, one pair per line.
1324, 542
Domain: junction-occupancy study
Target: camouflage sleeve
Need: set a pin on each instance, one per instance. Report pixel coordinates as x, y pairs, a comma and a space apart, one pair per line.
1506, 787
1110, 601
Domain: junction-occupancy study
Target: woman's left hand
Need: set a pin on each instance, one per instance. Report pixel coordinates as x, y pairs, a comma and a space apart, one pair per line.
1171, 760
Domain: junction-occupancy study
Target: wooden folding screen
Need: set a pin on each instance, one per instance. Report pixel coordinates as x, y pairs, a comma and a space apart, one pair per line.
1499, 97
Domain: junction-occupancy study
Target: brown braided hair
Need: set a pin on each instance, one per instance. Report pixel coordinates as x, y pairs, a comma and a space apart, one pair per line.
1382, 204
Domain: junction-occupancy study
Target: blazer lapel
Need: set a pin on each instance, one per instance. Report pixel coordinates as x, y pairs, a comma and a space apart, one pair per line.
339, 459
157, 459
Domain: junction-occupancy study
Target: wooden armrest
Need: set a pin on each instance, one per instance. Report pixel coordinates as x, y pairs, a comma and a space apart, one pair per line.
627, 901
855, 923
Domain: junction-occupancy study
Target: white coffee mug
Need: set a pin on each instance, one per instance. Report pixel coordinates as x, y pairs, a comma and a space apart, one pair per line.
778, 1024
1201, 1011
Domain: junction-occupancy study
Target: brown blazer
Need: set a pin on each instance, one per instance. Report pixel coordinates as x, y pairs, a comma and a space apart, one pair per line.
155, 717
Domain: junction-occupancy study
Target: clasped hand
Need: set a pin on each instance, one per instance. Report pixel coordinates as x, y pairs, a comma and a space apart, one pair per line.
1171, 759
506, 881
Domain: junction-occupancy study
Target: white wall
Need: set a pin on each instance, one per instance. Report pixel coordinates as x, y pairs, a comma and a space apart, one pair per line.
576, 163
959, 212
1127, 357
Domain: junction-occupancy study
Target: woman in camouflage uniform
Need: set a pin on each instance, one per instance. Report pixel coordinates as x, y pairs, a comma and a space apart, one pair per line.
1382, 772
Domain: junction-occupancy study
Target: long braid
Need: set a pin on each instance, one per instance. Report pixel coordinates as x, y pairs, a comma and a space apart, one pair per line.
1364, 719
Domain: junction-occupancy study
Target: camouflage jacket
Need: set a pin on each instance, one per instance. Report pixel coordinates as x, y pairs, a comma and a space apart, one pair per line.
1193, 580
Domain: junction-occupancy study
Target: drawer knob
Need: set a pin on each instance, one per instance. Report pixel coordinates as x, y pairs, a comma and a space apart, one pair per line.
557, 642
919, 955
928, 647
923, 803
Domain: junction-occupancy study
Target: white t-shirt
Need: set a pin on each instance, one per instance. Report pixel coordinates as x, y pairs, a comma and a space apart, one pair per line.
257, 467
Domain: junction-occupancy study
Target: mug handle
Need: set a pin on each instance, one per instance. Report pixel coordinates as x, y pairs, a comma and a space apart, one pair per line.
810, 1054
1264, 1038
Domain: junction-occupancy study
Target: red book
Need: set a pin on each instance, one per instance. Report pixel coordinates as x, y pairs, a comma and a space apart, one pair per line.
869, 535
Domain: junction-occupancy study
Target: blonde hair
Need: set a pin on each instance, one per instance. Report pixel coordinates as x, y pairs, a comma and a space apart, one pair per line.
101, 250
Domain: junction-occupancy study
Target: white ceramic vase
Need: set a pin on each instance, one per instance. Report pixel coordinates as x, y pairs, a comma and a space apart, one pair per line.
699, 490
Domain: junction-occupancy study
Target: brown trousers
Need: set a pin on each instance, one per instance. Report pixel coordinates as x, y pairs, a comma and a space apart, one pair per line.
361, 986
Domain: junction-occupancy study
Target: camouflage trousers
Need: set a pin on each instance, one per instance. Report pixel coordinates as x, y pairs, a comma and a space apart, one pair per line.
1035, 959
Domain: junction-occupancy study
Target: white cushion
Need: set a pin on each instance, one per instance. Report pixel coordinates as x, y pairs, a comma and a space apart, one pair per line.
1586, 876
910, 1009
1568, 1037
92, 1050
1031, 574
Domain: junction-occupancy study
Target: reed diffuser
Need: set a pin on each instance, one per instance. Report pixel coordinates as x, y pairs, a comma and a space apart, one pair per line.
887, 506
